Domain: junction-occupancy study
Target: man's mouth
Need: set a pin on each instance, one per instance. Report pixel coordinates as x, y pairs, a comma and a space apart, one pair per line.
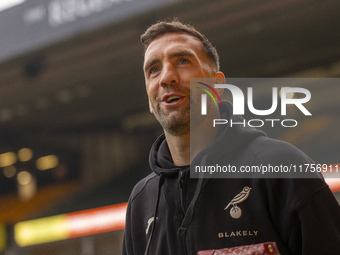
172, 99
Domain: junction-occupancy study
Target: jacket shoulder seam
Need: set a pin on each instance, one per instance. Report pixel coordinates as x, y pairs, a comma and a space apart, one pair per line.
302, 204
140, 186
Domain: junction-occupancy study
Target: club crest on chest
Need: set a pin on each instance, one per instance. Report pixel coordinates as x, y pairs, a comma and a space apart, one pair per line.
235, 211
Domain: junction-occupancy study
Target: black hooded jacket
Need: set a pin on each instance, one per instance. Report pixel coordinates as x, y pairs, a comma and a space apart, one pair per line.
300, 215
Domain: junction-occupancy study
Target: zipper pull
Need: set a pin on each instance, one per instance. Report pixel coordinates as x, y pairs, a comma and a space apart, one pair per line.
181, 181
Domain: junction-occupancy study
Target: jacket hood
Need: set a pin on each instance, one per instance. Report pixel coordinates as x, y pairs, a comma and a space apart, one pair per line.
231, 139
160, 159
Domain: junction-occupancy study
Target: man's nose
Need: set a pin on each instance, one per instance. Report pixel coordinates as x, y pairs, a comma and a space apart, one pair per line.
169, 75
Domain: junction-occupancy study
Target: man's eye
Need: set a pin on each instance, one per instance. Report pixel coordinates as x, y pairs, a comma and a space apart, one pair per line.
154, 70
183, 61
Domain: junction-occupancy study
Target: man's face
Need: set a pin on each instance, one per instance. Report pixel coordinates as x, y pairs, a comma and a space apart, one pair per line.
170, 62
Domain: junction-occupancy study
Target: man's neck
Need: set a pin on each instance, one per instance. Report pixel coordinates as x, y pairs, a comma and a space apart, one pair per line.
184, 148
179, 148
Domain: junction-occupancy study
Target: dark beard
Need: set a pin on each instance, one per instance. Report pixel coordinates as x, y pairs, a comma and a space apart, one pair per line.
180, 124
174, 125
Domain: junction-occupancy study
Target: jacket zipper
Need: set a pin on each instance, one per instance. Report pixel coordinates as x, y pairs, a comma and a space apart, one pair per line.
182, 197
181, 191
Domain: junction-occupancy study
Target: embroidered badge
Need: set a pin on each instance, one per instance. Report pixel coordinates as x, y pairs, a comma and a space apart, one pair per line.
236, 211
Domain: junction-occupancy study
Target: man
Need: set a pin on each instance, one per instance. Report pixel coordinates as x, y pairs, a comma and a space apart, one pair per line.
170, 213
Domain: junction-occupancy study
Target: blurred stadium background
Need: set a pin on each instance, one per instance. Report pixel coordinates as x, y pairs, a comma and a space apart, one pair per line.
74, 123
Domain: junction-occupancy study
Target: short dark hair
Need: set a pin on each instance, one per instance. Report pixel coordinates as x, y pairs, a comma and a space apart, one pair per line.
163, 27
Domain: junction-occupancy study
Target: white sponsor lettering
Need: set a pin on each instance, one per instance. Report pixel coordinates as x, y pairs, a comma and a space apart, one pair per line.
238, 233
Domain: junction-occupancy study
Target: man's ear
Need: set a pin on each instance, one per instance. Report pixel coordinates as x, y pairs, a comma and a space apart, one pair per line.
219, 79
